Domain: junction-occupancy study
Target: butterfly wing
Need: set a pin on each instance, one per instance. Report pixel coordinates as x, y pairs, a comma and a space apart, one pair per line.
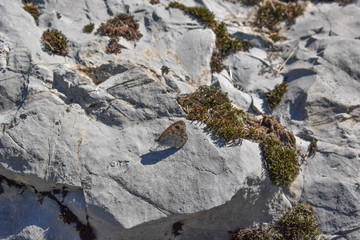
174, 136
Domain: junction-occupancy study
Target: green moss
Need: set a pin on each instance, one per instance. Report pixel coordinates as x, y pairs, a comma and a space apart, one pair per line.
216, 60
269, 233
33, 10
55, 42
299, 223
88, 28
273, 12
121, 26
212, 107
280, 161
200, 13
154, 2
227, 44
224, 43
274, 97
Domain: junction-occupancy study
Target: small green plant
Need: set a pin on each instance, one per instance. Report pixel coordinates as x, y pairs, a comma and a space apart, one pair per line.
269, 233
273, 12
212, 107
280, 161
216, 60
34, 11
227, 44
55, 42
224, 43
121, 26
154, 2
113, 46
299, 223
88, 28
274, 97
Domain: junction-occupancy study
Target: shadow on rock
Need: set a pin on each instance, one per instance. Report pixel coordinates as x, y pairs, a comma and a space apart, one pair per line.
155, 157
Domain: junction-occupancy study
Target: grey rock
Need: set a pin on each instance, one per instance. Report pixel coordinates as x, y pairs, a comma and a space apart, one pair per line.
86, 139
29, 233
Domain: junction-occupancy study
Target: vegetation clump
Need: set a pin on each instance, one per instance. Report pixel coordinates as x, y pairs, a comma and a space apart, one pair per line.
224, 43
113, 46
299, 223
272, 13
227, 44
122, 25
269, 233
89, 28
212, 107
154, 2
200, 13
280, 161
274, 97
34, 11
55, 42
58, 15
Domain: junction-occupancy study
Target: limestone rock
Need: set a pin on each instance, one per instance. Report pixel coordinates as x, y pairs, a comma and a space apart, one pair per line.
77, 131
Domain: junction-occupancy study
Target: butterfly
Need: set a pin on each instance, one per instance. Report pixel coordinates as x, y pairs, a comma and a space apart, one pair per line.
174, 136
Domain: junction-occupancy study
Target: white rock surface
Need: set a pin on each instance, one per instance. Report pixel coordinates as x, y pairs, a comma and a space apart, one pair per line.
63, 133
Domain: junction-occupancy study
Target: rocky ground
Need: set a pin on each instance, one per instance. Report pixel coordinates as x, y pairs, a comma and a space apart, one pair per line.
77, 130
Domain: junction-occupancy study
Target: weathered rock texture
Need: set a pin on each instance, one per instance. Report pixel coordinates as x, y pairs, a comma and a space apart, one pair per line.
70, 140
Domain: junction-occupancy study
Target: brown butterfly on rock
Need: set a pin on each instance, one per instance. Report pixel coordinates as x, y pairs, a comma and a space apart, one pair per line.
174, 136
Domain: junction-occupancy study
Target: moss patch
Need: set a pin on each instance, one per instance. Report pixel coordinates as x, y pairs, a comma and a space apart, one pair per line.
211, 106
153, 2
298, 223
55, 42
225, 44
122, 25
280, 161
200, 13
274, 97
269, 233
34, 11
271, 13
88, 28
